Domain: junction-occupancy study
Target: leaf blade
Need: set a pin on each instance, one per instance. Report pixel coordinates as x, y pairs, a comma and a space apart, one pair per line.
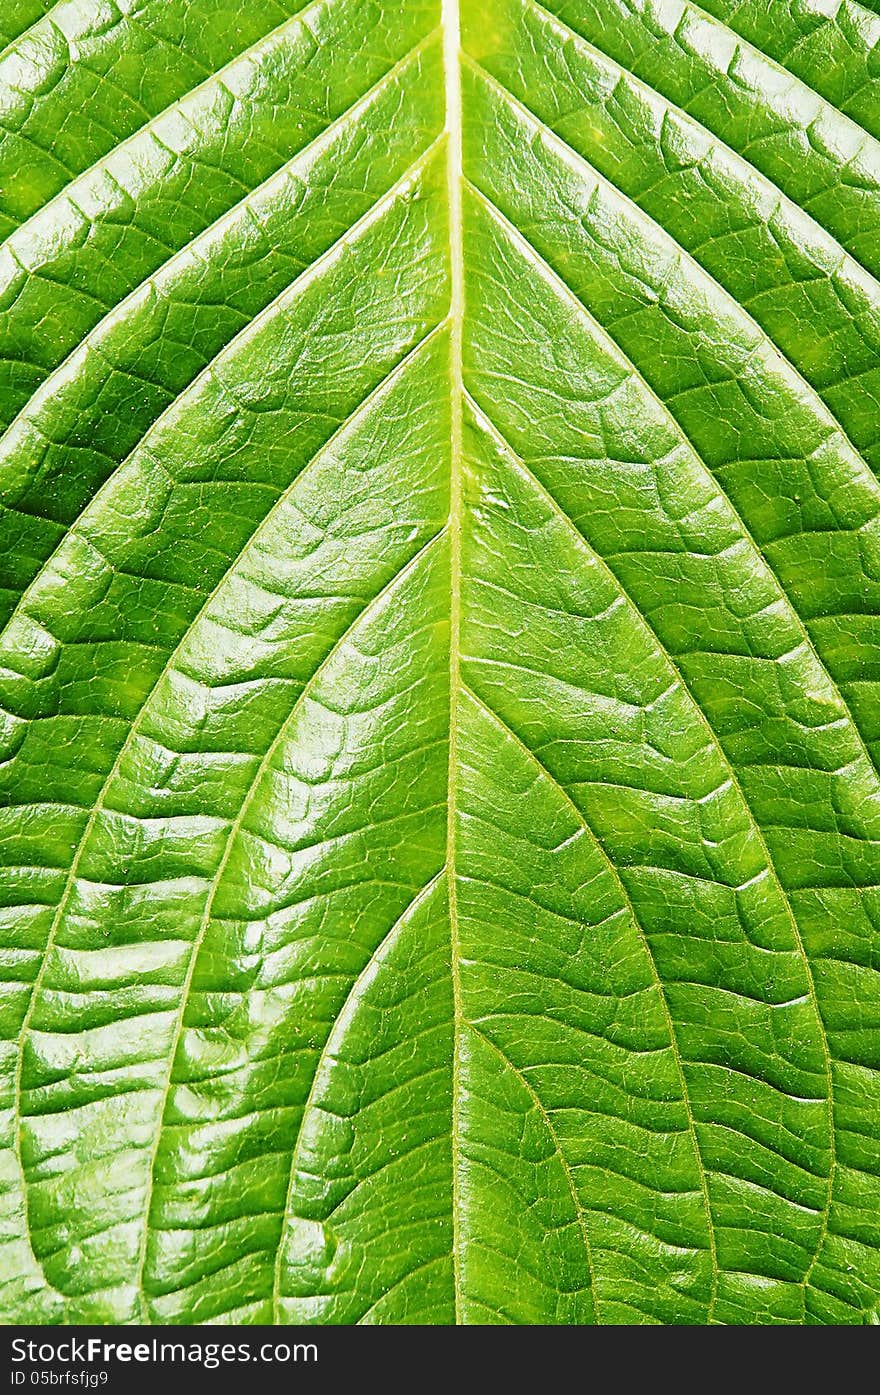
439, 792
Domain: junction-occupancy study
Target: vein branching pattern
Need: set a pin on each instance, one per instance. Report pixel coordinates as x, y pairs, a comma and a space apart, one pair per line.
440, 661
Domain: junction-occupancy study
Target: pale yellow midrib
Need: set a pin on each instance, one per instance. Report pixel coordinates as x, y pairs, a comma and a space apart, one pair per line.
452, 91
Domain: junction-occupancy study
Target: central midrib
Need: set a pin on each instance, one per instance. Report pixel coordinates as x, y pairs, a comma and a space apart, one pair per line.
452, 91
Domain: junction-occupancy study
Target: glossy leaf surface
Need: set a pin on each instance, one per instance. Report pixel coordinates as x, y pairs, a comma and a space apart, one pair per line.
439, 706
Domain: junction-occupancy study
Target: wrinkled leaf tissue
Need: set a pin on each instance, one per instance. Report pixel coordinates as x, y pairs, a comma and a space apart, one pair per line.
440, 664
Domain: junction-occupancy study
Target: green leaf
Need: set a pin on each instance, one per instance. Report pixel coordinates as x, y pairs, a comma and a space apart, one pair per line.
440, 674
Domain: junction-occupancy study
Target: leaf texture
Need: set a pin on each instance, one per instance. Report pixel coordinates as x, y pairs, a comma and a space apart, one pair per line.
440, 665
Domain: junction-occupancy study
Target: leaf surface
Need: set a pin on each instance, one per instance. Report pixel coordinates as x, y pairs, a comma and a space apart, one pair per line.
439, 706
